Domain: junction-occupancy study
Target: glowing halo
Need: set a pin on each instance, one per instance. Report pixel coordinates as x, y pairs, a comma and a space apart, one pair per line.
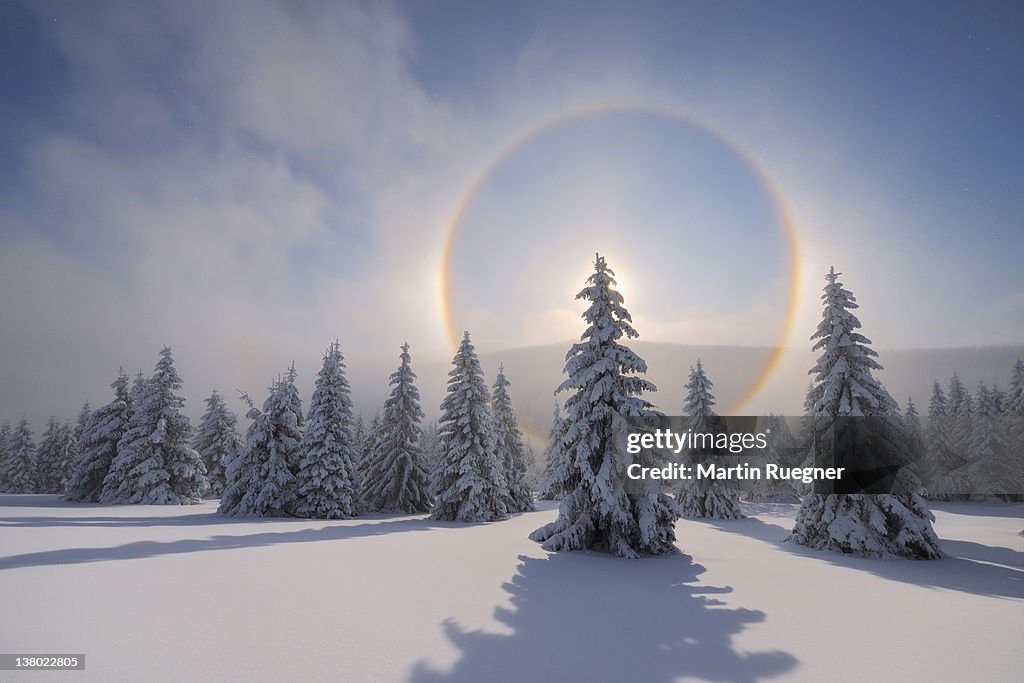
781, 212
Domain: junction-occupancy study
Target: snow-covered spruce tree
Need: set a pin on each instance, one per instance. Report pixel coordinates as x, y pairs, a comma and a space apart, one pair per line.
874, 525
78, 431
991, 469
261, 481
960, 401
807, 436
511, 451
53, 457
960, 408
942, 465
20, 473
560, 476
598, 513
326, 479
217, 442
470, 486
138, 389
396, 476
82, 423
365, 449
97, 446
1013, 403
431, 447
534, 469
1013, 408
782, 450
5, 438
155, 463
358, 438
998, 400
909, 477
704, 498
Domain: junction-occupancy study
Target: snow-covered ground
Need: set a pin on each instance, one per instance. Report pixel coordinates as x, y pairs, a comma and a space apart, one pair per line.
179, 593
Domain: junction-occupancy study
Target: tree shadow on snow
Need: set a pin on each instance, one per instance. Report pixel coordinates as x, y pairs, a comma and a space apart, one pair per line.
40, 500
590, 617
334, 531
968, 567
980, 509
196, 519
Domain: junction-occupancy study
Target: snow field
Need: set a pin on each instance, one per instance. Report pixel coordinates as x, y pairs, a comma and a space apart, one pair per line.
170, 593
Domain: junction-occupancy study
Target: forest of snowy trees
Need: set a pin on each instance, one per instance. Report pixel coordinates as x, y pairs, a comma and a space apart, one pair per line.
474, 465
324, 464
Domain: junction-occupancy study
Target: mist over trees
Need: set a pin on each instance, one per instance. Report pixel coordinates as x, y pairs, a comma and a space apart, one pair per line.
474, 464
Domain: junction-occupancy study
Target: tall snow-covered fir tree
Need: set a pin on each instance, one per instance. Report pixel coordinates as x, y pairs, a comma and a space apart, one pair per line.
807, 437
261, 480
137, 391
470, 485
155, 463
959, 409
217, 442
1013, 403
1013, 408
874, 525
991, 469
326, 480
704, 498
397, 479
943, 468
910, 476
431, 453
5, 438
998, 399
358, 438
54, 457
511, 450
82, 423
534, 469
20, 470
960, 401
98, 444
560, 476
366, 446
598, 512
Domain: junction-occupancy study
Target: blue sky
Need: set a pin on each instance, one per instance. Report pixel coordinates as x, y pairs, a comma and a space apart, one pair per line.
248, 181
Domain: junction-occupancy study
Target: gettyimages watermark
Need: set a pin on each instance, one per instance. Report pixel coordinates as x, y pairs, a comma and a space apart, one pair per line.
870, 455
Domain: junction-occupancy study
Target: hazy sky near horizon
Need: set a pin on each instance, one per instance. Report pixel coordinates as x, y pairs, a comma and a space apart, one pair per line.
248, 181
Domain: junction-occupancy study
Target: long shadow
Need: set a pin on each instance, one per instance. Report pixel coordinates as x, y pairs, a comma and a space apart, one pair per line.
967, 567
142, 549
194, 519
40, 500
981, 509
578, 617
985, 553
197, 519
